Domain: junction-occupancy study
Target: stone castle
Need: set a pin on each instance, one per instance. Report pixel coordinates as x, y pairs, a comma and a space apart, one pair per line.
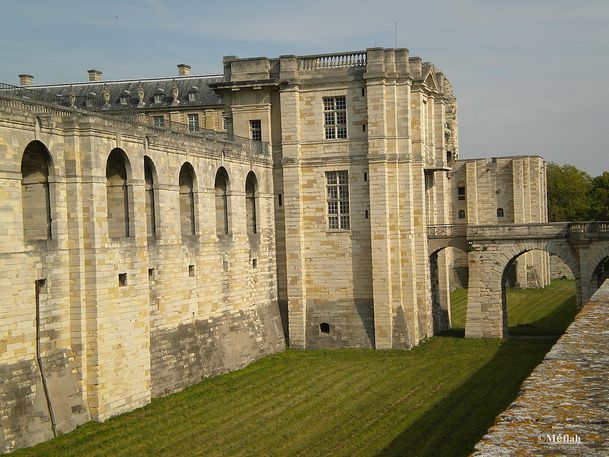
158, 231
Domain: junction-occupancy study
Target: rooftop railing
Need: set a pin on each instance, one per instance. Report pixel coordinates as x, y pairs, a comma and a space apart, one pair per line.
338, 60
38, 100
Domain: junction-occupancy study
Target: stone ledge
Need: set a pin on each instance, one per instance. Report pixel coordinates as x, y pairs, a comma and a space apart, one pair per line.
563, 406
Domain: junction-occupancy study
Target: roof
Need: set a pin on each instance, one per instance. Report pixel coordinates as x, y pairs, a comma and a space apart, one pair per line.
94, 92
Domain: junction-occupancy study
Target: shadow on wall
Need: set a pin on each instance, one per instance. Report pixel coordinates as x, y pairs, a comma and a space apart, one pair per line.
456, 423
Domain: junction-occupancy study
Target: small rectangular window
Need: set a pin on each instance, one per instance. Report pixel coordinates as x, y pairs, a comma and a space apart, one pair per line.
192, 96
193, 122
280, 199
365, 176
158, 121
335, 117
337, 185
256, 129
460, 193
122, 279
191, 270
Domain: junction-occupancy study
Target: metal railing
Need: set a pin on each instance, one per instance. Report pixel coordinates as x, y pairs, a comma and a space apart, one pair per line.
38, 99
338, 60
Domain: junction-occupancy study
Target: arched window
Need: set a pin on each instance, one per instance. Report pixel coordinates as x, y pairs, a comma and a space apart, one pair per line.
35, 197
221, 187
150, 204
500, 212
251, 195
187, 200
461, 214
117, 195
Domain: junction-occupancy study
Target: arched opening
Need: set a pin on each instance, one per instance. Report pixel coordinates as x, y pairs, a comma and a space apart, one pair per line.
601, 273
545, 310
446, 286
35, 194
221, 190
187, 200
251, 197
500, 212
461, 214
149, 177
117, 194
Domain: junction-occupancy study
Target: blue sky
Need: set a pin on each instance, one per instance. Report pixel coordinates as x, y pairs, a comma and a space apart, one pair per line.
531, 77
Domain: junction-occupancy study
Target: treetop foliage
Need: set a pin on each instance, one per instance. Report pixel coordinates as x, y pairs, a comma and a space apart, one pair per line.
573, 195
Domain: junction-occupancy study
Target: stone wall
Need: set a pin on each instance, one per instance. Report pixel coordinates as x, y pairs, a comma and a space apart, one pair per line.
95, 323
503, 190
563, 406
559, 269
368, 284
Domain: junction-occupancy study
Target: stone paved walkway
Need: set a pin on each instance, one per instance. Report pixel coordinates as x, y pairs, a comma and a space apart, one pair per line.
563, 406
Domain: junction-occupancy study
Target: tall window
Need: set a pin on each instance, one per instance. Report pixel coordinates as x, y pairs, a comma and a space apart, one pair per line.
256, 129
193, 122
187, 200
460, 193
35, 198
335, 117
337, 184
150, 207
117, 195
221, 188
251, 194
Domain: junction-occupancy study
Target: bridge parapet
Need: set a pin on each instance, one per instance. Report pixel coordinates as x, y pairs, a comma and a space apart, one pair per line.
518, 231
439, 231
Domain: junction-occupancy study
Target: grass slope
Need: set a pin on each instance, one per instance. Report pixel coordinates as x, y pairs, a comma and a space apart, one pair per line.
436, 400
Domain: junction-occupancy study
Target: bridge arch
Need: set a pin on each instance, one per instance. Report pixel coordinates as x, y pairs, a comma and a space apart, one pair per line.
440, 284
595, 270
486, 308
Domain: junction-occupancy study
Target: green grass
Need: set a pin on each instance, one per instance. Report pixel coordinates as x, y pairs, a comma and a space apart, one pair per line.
546, 311
436, 400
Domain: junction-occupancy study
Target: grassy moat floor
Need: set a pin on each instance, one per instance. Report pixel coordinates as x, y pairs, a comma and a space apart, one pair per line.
435, 400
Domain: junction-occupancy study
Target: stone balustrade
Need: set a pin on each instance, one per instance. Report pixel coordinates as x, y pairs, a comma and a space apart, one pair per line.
339, 60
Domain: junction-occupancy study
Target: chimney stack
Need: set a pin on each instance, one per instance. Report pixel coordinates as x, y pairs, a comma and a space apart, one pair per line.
25, 80
183, 70
94, 75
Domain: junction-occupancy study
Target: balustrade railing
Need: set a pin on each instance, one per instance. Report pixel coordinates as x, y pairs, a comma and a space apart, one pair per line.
446, 230
582, 231
339, 60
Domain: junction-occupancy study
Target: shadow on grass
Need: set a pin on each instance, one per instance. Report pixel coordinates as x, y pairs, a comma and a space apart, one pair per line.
457, 422
554, 323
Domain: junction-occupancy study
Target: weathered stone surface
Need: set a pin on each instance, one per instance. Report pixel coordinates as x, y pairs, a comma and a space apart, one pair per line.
563, 406
184, 355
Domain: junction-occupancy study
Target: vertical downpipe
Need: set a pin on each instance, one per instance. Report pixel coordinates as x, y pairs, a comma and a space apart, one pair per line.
39, 284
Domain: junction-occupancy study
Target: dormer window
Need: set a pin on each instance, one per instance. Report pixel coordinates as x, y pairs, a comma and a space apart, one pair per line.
159, 96
124, 98
192, 94
90, 100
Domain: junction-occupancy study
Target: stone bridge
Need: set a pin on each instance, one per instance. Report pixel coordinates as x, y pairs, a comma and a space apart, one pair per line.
583, 246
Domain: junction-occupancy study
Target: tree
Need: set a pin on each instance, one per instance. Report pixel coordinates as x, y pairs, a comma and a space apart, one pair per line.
599, 198
569, 193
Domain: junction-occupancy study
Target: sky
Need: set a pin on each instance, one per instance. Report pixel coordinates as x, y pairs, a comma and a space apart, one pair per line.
530, 76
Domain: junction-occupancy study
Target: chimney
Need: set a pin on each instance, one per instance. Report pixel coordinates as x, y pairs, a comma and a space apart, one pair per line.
94, 75
183, 70
25, 80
